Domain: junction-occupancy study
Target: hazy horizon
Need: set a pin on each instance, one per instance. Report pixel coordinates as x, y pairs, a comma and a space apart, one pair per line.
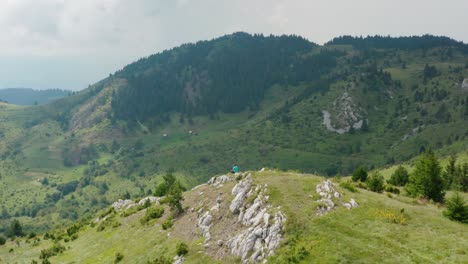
49, 44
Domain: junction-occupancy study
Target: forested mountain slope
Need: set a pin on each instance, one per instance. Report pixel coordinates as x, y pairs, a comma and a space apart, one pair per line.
275, 101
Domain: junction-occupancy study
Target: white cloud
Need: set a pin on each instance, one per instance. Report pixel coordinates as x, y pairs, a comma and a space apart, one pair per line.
107, 34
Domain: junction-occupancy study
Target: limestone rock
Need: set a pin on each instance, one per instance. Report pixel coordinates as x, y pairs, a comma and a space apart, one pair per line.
240, 191
204, 224
122, 204
178, 260
217, 180
152, 199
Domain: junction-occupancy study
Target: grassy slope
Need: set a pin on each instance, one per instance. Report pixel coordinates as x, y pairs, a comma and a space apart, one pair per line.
361, 235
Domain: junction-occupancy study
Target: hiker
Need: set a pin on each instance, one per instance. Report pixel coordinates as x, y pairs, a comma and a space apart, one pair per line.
235, 169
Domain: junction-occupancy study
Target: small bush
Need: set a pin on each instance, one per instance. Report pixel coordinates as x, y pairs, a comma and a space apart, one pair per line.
360, 174
32, 235
52, 251
168, 223
118, 257
160, 260
348, 186
2, 240
152, 213
181, 249
457, 210
376, 182
391, 189
399, 177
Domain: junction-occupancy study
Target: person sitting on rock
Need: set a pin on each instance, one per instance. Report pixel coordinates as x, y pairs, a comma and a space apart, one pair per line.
235, 169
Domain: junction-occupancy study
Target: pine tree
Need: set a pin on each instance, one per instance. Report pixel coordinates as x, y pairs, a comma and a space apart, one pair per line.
360, 174
456, 208
426, 181
399, 177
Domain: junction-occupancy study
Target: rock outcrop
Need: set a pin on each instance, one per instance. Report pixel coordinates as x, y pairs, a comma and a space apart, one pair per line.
219, 180
328, 193
125, 204
178, 260
464, 84
261, 234
204, 224
346, 115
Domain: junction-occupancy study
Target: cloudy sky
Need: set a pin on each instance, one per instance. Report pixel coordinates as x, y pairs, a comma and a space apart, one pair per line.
72, 43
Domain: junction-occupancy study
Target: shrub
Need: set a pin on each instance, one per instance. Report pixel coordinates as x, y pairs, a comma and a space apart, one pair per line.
160, 260
32, 235
391, 189
348, 186
16, 229
360, 174
52, 251
399, 177
152, 213
457, 210
118, 257
181, 249
2, 240
168, 223
376, 182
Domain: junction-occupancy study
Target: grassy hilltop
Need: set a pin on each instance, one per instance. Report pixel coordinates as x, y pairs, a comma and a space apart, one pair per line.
385, 228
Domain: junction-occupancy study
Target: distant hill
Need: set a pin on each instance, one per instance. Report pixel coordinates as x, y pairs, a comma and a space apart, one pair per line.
258, 101
28, 96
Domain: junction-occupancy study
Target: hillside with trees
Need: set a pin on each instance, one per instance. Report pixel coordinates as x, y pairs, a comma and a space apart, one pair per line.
259, 101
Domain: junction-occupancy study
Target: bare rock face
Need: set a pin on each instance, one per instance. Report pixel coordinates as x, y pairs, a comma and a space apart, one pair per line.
464, 84
218, 180
328, 192
240, 191
122, 204
125, 204
204, 224
262, 234
178, 260
151, 199
346, 115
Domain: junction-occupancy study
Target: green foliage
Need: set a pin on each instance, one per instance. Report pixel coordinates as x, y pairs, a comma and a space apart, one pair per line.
400, 177
391, 189
181, 249
257, 60
52, 251
360, 174
152, 213
16, 229
426, 181
166, 224
292, 252
2, 240
348, 186
118, 257
161, 189
376, 182
172, 189
73, 229
160, 260
457, 209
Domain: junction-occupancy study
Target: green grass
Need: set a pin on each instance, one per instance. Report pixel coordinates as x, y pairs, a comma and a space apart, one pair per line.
367, 234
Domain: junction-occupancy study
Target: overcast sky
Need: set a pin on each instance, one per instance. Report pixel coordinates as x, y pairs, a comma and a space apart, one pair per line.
72, 43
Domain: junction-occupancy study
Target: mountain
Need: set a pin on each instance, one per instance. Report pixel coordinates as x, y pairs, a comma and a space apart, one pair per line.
279, 216
27, 96
274, 101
